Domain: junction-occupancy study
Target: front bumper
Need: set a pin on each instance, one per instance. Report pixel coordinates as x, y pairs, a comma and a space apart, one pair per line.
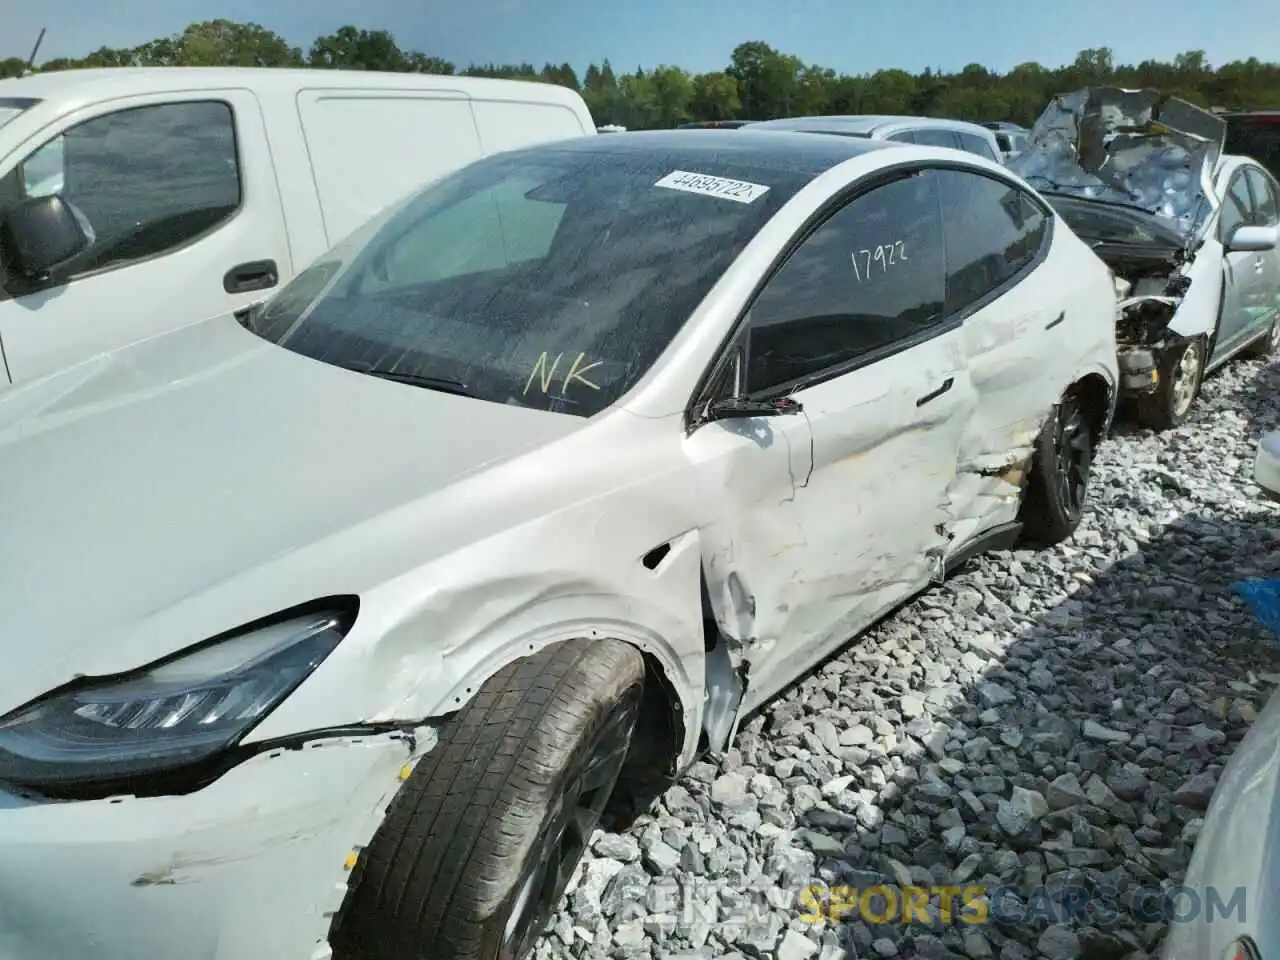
1266, 465
1139, 370
252, 867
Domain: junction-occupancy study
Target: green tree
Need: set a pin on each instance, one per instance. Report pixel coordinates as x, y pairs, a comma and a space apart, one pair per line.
350, 49
222, 43
714, 97
759, 82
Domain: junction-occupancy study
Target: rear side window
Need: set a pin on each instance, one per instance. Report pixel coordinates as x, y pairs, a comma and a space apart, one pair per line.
976, 144
993, 232
935, 137
871, 277
147, 180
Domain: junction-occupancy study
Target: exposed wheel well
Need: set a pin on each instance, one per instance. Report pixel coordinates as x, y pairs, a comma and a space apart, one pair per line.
1095, 396
655, 747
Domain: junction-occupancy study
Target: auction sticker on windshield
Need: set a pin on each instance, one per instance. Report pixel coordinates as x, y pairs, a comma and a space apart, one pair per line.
740, 191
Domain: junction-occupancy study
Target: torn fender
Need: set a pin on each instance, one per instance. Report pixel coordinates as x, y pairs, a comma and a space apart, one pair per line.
251, 867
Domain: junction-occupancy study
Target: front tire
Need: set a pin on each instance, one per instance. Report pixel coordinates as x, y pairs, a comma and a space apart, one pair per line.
1180, 377
1058, 487
474, 855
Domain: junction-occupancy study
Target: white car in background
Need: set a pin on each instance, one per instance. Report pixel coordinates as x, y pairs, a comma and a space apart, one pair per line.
925, 131
1266, 465
340, 624
1191, 234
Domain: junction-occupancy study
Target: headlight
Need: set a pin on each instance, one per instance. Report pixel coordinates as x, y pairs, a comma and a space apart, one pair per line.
180, 712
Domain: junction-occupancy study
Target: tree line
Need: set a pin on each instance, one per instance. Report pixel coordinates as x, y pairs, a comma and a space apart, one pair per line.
758, 83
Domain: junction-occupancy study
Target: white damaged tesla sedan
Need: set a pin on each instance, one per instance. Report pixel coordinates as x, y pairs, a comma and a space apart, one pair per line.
336, 627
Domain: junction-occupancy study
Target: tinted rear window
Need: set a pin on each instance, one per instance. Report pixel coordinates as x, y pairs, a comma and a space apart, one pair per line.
548, 279
1257, 137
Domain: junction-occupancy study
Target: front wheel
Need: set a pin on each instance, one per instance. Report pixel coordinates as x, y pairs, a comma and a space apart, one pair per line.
1058, 486
1180, 377
478, 846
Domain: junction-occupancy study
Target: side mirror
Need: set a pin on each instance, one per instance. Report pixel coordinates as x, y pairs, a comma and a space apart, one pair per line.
41, 234
740, 408
1251, 239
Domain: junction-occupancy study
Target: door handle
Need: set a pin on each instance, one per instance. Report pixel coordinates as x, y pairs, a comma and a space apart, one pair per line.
946, 385
254, 275
1259, 265
1057, 320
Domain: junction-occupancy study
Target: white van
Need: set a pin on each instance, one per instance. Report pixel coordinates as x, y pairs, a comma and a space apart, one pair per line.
133, 201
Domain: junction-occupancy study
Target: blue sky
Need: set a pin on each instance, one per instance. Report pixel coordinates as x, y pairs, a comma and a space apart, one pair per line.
852, 36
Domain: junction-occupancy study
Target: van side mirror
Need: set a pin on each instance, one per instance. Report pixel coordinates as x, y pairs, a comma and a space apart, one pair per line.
1253, 239
40, 234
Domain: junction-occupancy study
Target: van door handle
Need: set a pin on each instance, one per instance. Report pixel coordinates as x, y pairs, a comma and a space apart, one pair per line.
255, 275
1057, 320
946, 385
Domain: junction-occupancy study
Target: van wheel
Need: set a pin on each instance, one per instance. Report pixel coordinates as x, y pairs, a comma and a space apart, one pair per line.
1058, 487
1180, 378
475, 852
1268, 346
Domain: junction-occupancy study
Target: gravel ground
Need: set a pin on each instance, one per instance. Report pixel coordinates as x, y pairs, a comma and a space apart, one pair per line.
1044, 721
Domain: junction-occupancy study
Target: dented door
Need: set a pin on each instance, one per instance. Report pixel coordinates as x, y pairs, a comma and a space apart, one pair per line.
749, 473
870, 511
851, 328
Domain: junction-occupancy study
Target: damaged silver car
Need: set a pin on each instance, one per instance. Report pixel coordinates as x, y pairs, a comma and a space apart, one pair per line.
1189, 232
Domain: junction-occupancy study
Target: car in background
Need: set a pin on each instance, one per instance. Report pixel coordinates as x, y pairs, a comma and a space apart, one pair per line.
1255, 134
1266, 465
925, 131
1237, 852
1011, 139
1190, 233
714, 125
359, 611
135, 198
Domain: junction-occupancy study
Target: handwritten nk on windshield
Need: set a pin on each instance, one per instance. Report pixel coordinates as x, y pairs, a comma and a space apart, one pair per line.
546, 376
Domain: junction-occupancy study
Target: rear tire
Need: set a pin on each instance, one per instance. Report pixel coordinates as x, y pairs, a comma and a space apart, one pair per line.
1268, 346
474, 855
1058, 486
1180, 377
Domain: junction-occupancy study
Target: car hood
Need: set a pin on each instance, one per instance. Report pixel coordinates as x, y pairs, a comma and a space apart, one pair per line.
147, 477
1133, 147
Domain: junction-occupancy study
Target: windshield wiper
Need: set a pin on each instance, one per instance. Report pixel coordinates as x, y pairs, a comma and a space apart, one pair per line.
440, 384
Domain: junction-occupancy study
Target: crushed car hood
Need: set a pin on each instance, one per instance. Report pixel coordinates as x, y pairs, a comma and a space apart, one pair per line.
1138, 148
139, 480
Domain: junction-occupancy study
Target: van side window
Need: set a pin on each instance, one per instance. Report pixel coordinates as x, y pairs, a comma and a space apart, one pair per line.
146, 180
994, 231
871, 277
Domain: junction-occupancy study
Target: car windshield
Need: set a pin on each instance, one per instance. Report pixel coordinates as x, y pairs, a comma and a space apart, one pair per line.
548, 278
1101, 222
